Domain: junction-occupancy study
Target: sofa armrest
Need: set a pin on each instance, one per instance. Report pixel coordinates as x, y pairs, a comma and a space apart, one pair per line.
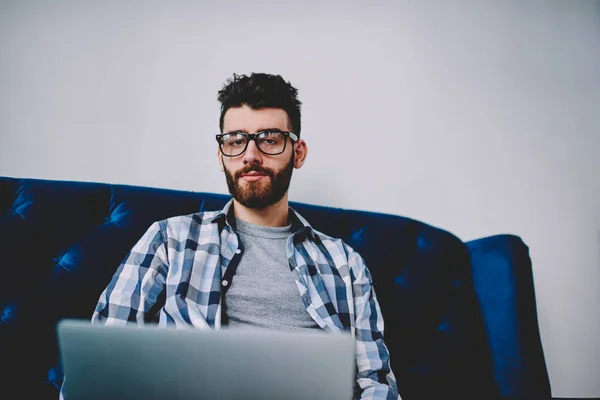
503, 281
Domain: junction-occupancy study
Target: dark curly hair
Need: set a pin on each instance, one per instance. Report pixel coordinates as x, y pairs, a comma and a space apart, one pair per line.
261, 91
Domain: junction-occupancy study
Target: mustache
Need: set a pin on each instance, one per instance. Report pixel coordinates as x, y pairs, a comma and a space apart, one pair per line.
254, 168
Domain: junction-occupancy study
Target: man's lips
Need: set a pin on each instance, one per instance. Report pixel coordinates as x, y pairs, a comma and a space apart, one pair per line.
253, 176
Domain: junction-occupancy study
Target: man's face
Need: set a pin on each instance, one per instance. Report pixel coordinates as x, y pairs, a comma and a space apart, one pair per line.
257, 180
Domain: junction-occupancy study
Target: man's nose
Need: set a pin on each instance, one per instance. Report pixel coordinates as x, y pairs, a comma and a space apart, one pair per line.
252, 155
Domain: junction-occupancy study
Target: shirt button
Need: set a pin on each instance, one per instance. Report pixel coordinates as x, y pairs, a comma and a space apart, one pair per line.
225, 282
238, 251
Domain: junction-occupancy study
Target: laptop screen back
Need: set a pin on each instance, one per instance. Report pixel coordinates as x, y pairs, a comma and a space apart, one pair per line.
149, 362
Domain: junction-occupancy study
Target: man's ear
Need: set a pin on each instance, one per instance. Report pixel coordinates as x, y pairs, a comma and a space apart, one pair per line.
300, 153
220, 160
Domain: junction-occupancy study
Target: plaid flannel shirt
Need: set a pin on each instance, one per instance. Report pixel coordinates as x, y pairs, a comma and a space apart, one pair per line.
180, 268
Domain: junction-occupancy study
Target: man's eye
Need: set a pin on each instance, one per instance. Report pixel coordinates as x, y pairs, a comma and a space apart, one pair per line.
233, 139
271, 137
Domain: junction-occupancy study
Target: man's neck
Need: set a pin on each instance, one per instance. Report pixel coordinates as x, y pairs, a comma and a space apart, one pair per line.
274, 215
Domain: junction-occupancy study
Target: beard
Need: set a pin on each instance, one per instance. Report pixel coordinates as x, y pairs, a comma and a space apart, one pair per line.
259, 194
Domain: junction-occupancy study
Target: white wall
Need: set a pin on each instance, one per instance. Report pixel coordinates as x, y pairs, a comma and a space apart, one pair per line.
478, 117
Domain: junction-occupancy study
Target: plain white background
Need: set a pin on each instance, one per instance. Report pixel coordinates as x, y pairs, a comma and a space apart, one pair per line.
478, 117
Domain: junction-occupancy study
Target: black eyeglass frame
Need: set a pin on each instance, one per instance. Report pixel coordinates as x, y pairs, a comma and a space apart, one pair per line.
253, 136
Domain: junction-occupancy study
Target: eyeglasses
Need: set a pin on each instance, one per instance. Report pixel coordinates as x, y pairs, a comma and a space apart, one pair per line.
271, 142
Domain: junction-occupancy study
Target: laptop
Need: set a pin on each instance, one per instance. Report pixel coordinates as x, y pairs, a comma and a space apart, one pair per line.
151, 362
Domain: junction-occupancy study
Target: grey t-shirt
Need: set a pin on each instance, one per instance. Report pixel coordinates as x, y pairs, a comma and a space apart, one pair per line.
263, 292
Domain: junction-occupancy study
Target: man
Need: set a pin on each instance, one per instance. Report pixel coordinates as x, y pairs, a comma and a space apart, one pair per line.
256, 262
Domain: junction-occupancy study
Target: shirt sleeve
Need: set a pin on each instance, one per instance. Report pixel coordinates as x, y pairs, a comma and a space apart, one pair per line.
374, 375
132, 294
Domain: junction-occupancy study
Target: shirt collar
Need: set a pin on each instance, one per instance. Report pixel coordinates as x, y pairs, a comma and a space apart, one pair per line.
299, 224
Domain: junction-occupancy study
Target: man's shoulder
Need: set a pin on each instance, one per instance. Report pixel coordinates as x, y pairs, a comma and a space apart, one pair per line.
184, 223
333, 242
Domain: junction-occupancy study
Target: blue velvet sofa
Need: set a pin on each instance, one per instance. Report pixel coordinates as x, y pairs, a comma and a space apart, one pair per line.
460, 318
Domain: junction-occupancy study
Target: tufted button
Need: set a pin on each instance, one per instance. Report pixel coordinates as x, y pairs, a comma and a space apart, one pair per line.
400, 280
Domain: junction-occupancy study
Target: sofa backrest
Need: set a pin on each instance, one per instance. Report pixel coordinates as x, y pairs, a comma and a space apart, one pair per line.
63, 241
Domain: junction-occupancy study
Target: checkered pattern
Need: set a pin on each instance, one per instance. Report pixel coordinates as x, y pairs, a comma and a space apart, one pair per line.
174, 276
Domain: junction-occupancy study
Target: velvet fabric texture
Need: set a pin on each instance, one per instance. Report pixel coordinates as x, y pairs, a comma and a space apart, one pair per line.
460, 318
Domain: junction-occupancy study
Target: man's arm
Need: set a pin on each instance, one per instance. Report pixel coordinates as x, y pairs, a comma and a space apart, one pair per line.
137, 283
374, 375
135, 286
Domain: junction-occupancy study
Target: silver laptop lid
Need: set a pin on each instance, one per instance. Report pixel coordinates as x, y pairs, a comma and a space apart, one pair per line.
148, 362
